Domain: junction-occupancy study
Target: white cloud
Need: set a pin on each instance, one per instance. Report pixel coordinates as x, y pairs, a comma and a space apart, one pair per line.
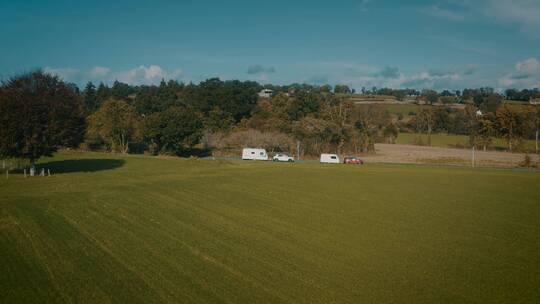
153, 71
526, 74
443, 13
470, 69
152, 74
525, 13
176, 74
263, 78
358, 76
99, 72
389, 72
363, 5
432, 80
66, 74
528, 67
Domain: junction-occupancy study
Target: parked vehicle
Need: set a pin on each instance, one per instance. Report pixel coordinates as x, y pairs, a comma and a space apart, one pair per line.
282, 157
353, 160
254, 154
330, 159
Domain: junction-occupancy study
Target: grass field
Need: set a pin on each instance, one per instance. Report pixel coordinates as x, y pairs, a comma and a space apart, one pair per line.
451, 140
403, 109
136, 229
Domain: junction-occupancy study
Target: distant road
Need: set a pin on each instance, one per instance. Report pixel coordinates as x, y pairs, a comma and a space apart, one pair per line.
439, 156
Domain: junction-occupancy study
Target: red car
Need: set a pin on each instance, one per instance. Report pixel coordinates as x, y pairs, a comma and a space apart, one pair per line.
353, 160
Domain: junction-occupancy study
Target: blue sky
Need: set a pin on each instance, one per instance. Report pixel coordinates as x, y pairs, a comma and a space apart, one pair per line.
447, 44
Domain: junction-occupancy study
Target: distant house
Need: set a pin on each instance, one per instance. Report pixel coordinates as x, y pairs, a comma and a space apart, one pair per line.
535, 101
266, 93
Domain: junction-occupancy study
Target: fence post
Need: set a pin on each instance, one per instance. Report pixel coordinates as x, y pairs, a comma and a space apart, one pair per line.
298, 150
473, 155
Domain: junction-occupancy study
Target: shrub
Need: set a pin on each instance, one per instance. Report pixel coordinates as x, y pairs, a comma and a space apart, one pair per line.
527, 162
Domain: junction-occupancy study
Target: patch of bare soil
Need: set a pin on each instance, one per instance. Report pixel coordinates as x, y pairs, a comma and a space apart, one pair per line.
409, 154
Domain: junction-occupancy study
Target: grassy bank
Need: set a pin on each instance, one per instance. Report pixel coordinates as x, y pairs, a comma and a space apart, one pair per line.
450, 141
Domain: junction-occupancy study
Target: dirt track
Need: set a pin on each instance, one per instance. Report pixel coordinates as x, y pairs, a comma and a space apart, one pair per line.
386, 153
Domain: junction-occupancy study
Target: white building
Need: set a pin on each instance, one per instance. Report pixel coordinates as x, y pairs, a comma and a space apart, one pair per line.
266, 93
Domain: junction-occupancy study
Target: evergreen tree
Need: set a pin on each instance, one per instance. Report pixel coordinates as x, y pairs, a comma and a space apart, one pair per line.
90, 98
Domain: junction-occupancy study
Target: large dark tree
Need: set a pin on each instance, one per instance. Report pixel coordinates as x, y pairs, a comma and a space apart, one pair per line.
233, 97
430, 96
38, 114
304, 104
174, 130
342, 89
152, 99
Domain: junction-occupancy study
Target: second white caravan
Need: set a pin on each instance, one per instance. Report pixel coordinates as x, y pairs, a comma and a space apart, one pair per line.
330, 159
254, 154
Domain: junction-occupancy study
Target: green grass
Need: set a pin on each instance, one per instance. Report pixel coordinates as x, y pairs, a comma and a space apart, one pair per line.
450, 140
396, 109
404, 109
437, 140
143, 230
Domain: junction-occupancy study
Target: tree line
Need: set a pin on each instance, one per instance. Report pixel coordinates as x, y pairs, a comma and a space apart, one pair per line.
446, 96
40, 114
507, 121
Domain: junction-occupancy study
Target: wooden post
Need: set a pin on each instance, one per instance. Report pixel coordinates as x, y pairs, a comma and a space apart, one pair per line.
473, 155
536, 142
297, 150
429, 134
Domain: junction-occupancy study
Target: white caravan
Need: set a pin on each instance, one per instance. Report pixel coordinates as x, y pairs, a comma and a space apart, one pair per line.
330, 159
254, 154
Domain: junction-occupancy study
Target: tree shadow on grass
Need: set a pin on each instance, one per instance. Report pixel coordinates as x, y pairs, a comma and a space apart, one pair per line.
80, 165
197, 152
